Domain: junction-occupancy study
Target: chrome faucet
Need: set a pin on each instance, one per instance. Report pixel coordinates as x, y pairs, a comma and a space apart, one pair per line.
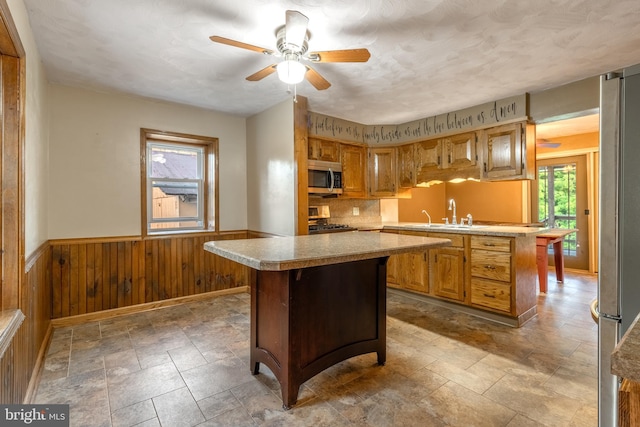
452, 206
428, 216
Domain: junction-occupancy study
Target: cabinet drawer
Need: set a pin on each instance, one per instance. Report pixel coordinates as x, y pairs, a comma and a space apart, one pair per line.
491, 243
491, 294
491, 265
457, 240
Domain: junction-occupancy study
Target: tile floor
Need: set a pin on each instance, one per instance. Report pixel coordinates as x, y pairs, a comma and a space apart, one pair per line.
188, 365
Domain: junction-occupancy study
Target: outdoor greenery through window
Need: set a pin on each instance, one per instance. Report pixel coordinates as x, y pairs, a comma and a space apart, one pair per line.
179, 182
557, 201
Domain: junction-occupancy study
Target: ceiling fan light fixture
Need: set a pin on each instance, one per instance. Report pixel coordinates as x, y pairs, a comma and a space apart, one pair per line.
291, 71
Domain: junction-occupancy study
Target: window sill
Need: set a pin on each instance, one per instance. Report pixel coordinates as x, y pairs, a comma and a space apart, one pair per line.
178, 233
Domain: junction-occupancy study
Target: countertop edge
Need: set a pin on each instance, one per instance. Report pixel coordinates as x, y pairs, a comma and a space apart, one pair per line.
486, 230
625, 359
292, 264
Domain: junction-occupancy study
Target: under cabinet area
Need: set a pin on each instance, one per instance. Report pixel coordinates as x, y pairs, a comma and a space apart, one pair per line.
489, 273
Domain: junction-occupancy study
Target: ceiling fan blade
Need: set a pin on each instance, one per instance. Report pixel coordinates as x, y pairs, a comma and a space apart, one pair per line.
241, 45
545, 143
316, 79
296, 28
266, 71
347, 55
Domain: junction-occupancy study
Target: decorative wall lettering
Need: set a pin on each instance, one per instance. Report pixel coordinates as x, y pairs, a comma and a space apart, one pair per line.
480, 116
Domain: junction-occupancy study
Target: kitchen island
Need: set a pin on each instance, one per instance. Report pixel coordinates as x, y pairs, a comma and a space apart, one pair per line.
317, 300
489, 270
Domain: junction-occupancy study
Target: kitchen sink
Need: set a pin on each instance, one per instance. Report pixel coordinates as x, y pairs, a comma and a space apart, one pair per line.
452, 226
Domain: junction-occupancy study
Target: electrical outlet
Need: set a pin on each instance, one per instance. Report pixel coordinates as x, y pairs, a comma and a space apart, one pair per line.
356, 211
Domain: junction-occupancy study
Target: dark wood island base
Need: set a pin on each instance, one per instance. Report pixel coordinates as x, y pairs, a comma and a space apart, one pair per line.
317, 300
306, 320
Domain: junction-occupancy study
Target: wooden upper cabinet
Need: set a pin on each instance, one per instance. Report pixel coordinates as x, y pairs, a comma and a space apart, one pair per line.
321, 149
354, 167
406, 166
460, 150
509, 152
382, 172
428, 159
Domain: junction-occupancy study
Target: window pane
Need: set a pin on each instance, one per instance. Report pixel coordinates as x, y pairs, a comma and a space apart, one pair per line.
172, 162
557, 201
175, 199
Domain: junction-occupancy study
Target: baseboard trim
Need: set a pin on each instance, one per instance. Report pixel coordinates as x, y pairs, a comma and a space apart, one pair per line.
493, 317
116, 312
34, 381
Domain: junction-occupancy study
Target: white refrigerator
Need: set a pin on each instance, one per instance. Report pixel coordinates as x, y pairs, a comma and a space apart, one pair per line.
619, 225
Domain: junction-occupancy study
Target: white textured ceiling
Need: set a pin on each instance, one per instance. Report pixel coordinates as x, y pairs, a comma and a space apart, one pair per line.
427, 56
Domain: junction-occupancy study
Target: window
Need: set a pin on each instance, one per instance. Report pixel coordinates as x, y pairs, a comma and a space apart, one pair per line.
179, 182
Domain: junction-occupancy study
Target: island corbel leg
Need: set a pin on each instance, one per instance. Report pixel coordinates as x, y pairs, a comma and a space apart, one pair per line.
306, 320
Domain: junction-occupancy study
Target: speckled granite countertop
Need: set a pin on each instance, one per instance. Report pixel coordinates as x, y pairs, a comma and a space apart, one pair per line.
287, 253
488, 230
625, 359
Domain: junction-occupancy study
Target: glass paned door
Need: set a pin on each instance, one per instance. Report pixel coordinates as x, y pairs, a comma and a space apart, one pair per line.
562, 203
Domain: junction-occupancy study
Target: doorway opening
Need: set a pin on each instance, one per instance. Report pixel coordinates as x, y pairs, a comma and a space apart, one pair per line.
562, 203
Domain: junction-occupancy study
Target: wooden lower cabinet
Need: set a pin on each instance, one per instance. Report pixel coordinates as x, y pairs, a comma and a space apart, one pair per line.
491, 294
629, 404
491, 273
409, 271
448, 276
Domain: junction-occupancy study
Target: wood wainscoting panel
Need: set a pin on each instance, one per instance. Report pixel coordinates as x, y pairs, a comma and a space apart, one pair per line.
90, 275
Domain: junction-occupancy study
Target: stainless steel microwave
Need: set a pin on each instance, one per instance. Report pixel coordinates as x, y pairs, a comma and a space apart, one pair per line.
325, 178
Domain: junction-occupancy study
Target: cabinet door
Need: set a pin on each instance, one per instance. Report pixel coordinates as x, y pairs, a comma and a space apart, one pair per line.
321, 149
428, 158
354, 166
393, 279
406, 166
382, 172
461, 150
447, 273
413, 270
503, 152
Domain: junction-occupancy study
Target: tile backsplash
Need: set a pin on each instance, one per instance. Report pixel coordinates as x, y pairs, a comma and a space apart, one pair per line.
343, 210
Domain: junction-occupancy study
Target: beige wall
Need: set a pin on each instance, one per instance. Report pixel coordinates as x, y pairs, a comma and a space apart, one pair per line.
36, 135
271, 171
94, 160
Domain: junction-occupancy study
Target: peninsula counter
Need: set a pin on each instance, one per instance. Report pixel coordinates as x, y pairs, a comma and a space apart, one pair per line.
318, 299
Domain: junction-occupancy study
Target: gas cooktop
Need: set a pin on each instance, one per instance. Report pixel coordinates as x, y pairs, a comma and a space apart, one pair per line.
329, 228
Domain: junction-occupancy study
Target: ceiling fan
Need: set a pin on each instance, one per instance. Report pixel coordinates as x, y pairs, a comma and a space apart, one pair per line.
545, 143
292, 46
